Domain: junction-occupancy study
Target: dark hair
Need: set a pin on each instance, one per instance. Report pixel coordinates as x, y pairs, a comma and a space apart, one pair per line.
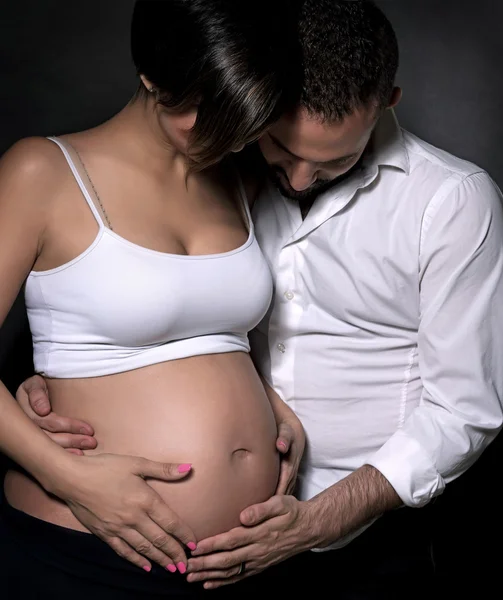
230, 58
350, 56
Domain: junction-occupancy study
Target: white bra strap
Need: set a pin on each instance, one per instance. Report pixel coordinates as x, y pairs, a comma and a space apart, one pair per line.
78, 178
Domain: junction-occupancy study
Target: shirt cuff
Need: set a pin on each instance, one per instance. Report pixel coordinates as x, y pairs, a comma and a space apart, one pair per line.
409, 469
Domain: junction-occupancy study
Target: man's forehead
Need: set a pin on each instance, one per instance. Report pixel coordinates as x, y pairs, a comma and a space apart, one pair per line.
311, 137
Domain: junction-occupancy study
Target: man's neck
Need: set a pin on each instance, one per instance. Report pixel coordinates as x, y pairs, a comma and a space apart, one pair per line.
305, 206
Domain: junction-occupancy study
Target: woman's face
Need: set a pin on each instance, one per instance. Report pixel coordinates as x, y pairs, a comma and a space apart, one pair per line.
176, 128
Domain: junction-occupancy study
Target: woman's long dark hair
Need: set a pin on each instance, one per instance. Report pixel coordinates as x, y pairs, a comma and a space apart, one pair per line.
236, 60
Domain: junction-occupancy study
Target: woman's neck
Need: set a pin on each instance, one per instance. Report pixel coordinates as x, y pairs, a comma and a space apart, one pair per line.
136, 127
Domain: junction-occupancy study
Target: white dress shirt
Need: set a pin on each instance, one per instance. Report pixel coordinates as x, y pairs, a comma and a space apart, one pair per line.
386, 332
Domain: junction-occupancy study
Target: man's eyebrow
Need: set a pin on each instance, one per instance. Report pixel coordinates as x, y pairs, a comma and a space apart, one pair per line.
341, 159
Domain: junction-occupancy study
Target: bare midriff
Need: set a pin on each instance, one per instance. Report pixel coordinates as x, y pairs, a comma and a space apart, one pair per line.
211, 411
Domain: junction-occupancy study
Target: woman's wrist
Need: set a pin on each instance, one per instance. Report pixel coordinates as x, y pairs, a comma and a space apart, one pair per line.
56, 472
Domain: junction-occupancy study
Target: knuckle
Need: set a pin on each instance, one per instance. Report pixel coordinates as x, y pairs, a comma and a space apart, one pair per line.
143, 501
160, 541
120, 550
167, 469
45, 424
169, 525
143, 547
137, 464
129, 518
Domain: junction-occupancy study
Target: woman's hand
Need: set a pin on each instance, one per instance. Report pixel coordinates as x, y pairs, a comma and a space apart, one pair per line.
109, 495
72, 434
290, 443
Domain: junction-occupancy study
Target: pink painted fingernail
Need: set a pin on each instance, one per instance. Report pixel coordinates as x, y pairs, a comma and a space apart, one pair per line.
184, 468
191, 546
171, 568
181, 567
147, 568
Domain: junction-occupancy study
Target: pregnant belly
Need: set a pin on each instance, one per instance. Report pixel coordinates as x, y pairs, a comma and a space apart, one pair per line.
210, 411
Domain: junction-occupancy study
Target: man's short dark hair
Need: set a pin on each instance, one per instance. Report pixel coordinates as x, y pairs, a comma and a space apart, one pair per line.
350, 57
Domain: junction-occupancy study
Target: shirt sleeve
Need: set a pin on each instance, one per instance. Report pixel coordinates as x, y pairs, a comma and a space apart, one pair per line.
460, 344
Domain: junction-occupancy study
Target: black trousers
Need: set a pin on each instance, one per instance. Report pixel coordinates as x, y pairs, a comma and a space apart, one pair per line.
39, 560
392, 559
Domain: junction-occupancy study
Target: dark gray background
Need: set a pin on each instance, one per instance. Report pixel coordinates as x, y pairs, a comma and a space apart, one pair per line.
65, 66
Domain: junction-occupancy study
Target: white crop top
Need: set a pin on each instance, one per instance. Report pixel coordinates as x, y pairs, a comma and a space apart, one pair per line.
119, 306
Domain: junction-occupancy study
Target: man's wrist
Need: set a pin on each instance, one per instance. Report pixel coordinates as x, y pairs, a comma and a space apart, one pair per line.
350, 504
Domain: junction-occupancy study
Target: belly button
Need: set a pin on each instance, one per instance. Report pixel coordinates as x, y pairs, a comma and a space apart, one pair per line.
241, 453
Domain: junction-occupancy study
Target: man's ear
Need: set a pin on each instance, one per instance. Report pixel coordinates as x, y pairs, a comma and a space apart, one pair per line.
396, 96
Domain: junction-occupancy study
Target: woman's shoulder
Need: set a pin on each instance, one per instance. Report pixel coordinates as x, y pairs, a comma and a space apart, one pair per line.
32, 163
32, 156
32, 170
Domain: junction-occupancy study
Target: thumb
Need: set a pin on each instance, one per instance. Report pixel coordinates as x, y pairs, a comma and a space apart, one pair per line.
164, 471
37, 395
285, 438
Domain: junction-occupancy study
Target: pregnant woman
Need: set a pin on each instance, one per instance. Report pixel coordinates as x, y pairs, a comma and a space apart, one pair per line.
142, 279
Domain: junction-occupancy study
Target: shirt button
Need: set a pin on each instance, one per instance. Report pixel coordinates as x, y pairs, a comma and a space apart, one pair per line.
289, 295
281, 348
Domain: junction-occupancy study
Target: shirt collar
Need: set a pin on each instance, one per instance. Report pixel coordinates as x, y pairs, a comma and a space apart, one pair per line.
387, 146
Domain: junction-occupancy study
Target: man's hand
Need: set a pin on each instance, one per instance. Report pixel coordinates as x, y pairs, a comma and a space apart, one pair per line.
72, 434
283, 526
272, 532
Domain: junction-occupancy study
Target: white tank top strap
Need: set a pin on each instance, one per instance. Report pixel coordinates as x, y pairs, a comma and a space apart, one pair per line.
82, 178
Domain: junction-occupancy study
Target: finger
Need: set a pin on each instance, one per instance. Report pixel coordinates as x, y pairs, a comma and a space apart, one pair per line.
127, 553
216, 583
258, 513
38, 396
160, 470
149, 541
75, 451
285, 475
291, 484
282, 445
283, 442
205, 575
68, 440
172, 525
235, 538
58, 424
219, 562
285, 438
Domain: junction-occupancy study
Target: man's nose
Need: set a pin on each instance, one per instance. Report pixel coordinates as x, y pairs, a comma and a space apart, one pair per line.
301, 175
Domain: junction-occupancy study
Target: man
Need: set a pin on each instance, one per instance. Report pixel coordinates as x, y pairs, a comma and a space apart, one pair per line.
385, 334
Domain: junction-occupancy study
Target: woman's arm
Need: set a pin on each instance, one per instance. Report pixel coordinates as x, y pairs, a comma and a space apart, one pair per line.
107, 493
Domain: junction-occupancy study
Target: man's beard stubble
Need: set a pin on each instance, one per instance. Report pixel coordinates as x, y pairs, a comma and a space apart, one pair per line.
306, 197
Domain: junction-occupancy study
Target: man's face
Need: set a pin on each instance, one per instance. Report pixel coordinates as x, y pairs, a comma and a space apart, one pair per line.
306, 156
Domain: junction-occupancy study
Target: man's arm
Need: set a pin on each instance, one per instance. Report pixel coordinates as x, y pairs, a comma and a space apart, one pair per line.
460, 344
350, 504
